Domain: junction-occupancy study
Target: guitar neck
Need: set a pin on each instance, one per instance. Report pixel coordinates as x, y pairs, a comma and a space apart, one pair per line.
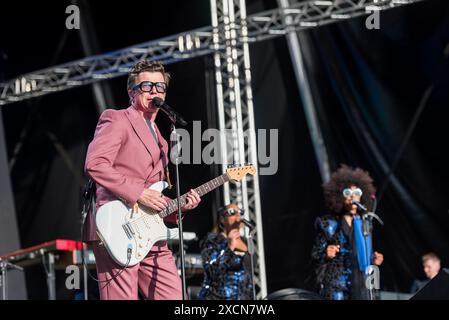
201, 190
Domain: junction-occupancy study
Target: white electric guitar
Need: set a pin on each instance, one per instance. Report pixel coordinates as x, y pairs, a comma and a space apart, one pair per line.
129, 233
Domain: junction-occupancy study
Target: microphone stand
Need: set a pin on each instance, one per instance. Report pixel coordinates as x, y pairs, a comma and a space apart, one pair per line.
175, 150
174, 155
251, 256
4, 266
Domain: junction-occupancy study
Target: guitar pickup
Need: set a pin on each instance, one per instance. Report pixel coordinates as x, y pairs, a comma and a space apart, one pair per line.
128, 230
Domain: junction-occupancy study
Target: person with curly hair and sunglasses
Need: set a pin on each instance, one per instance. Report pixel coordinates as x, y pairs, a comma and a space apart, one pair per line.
341, 252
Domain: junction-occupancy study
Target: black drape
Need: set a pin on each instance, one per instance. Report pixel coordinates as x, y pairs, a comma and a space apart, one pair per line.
367, 85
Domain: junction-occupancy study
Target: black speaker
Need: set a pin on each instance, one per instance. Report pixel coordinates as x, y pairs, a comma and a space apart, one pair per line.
293, 294
436, 289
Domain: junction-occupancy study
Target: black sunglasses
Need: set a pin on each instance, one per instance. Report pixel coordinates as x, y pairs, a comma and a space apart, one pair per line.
147, 86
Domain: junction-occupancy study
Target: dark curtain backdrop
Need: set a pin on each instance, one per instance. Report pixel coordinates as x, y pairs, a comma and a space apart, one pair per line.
366, 86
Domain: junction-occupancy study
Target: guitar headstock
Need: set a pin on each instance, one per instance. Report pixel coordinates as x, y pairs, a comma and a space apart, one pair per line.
237, 173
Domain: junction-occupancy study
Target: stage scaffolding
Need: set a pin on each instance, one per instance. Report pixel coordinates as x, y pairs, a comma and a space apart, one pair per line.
228, 40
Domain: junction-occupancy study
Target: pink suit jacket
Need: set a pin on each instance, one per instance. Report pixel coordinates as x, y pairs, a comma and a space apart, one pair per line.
123, 159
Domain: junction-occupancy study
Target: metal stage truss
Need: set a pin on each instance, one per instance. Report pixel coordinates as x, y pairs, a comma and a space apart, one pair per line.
187, 45
228, 39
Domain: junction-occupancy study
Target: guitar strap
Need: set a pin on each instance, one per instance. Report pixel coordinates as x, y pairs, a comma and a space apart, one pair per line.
89, 190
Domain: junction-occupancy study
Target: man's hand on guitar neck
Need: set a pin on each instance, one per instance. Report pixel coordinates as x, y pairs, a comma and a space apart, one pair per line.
193, 199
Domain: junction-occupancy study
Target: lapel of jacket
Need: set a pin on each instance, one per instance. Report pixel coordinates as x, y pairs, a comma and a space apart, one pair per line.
143, 132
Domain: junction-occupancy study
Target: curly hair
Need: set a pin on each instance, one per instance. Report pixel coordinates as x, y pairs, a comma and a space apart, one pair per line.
345, 177
146, 66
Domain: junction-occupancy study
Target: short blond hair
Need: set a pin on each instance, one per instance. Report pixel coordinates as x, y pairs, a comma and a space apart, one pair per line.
430, 256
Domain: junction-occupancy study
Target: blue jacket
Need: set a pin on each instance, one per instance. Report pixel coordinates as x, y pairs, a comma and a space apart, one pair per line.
225, 274
335, 277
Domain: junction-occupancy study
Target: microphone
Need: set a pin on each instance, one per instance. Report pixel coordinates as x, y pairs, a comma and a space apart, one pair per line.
359, 205
172, 114
250, 225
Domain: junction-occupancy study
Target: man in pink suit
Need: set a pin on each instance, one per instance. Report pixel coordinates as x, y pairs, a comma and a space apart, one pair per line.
126, 156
